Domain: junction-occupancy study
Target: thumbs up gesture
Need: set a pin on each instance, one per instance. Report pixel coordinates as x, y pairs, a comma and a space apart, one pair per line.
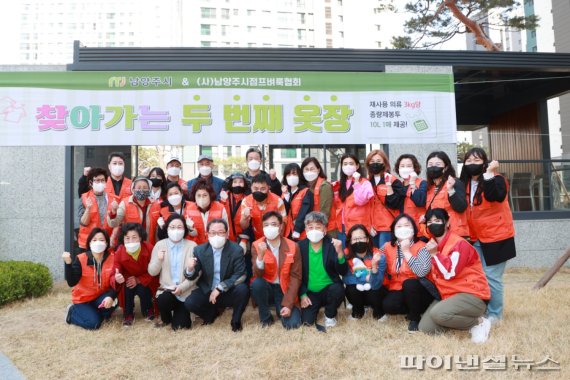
66, 257
119, 279
189, 223
223, 195
161, 254
114, 207
160, 222
450, 183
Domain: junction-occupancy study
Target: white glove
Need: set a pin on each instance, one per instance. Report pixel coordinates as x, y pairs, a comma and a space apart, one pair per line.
223, 195
356, 176
296, 235
373, 232
160, 222
190, 223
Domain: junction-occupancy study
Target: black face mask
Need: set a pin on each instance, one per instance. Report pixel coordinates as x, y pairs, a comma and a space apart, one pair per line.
473, 169
376, 167
359, 247
156, 182
437, 229
434, 172
237, 189
259, 196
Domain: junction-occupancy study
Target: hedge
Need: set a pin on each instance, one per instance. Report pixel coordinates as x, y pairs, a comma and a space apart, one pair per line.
23, 279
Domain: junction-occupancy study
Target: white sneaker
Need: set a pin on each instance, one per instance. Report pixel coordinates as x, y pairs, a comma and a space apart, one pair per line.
348, 306
384, 318
330, 322
494, 320
480, 332
360, 287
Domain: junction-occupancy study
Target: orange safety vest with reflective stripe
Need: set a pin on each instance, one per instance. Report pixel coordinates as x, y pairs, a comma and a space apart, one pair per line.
381, 216
457, 221
397, 279
125, 188
410, 207
88, 288
272, 204
272, 268
470, 280
490, 221
192, 212
94, 220
317, 205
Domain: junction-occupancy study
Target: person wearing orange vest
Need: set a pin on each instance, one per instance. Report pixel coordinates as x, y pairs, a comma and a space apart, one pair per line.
298, 201
202, 209
94, 206
173, 169
161, 210
158, 190
365, 273
353, 197
322, 192
388, 197
447, 192
235, 189
117, 184
259, 202
134, 209
408, 262
408, 168
90, 276
277, 268
490, 222
458, 275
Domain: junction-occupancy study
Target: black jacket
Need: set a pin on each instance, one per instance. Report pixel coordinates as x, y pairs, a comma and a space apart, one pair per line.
330, 261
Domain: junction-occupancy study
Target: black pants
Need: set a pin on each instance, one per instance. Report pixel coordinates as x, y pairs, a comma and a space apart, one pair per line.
330, 297
145, 297
199, 303
412, 300
172, 311
359, 300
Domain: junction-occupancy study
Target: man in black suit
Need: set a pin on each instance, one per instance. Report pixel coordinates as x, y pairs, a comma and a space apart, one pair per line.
221, 267
323, 265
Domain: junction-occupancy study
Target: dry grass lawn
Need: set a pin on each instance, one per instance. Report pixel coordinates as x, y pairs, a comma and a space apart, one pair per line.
36, 338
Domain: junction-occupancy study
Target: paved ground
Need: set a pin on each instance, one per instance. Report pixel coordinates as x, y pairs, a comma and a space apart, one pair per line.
8, 371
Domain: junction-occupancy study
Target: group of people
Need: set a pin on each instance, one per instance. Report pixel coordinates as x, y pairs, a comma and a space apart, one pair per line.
434, 249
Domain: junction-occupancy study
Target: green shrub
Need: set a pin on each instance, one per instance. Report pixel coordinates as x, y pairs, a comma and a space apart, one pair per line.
22, 279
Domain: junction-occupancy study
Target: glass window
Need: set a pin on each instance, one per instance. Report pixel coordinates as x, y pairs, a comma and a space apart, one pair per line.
208, 12
205, 29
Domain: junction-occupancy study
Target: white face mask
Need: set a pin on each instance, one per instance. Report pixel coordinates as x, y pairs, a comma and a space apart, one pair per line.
132, 247
405, 172
175, 235
349, 169
315, 236
403, 233
98, 246
311, 176
117, 170
205, 170
203, 203
173, 171
217, 242
253, 164
293, 180
270, 232
175, 199
99, 187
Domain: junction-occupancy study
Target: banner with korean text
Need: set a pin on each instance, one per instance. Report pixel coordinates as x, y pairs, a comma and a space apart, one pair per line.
230, 108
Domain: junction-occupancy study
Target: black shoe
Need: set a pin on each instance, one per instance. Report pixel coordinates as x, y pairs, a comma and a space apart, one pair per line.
413, 327
236, 326
68, 316
267, 323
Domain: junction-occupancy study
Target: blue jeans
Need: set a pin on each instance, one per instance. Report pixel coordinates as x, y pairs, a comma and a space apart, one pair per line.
494, 274
381, 238
88, 315
266, 294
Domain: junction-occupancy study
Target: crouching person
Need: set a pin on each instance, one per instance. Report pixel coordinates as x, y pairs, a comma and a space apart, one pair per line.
277, 269
323, 264
220, 265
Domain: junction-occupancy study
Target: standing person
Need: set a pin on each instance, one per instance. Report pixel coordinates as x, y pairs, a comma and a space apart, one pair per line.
161, 211
89, 274
353, 195
117, 183
220, 267
298, 201
323, 263
322, 192
276, 263
131, 277
490, 222
95, 204
168, 259
173, 170
259, 202
447, 192
158, 180
237, 188
365, 274
254, 160
407, 263
134, 209
202, 209
458, 275
205, 167
408, 168
388, 197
